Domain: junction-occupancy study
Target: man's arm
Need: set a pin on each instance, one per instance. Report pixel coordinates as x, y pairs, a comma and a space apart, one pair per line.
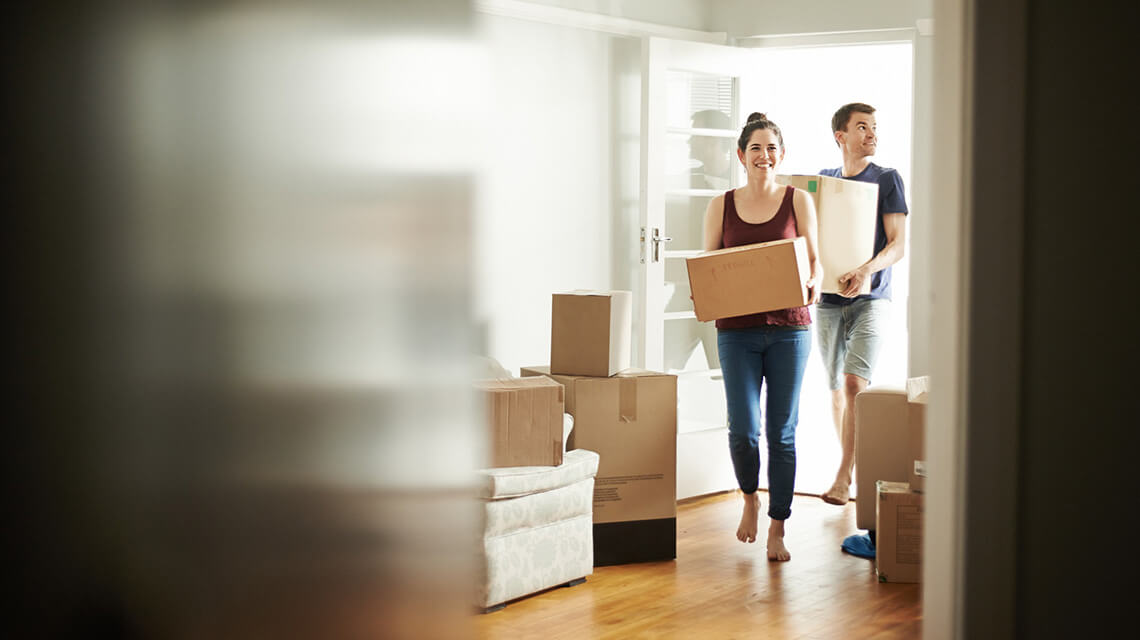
894, 224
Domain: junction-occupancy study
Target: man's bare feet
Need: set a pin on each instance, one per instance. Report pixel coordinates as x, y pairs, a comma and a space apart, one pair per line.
746, 532
839, 493
777, 552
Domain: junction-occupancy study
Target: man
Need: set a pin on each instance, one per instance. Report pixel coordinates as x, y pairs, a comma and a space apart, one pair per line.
851, 327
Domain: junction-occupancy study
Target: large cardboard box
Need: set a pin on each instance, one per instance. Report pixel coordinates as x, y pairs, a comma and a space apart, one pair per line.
882, 445
898, 538
917, 390
525, 418
749, 279
591, 332
630, 420
846, 211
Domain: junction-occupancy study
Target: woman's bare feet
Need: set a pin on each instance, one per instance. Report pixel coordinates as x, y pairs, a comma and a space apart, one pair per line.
839, 493
777, 552
746, 532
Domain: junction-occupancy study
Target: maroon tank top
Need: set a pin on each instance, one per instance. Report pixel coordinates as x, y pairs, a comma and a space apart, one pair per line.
736, 232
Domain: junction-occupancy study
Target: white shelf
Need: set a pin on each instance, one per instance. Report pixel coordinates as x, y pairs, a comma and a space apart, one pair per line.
685, 426
696, 131
682, 253
714, 374
707, 193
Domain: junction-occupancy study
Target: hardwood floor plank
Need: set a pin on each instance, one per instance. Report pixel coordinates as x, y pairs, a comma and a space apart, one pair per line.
720, 588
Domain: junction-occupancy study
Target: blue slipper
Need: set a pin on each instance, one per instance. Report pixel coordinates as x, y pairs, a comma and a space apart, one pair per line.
859, 545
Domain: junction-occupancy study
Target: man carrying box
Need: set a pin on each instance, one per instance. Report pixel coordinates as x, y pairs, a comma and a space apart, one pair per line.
851, 327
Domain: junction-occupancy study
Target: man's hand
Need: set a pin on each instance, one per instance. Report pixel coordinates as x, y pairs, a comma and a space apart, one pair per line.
852, 282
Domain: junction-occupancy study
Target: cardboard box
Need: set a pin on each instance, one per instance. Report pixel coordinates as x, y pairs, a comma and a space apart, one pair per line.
917, 390
898, 538
525, 419
847, 212
591, 332
630, 420
749, 279
882, 452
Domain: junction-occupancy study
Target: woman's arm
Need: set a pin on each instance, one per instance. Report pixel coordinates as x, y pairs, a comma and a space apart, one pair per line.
714, 224
808, 226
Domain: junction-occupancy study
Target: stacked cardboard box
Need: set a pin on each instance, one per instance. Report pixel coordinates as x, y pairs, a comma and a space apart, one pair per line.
525, 417
889, 424
898, 526
628, 416
917, 390
630, 420
881, 446
890, 428
590, 332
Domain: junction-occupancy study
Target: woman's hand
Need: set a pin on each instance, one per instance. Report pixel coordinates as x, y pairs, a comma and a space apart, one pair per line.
813, 288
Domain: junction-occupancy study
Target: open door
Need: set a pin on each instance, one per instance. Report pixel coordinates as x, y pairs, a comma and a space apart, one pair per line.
690, 123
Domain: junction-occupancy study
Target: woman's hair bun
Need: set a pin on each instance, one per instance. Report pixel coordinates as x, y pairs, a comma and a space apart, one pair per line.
756, 115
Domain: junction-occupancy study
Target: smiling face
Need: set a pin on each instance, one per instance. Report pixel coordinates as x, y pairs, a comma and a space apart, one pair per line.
859, 138
762, 154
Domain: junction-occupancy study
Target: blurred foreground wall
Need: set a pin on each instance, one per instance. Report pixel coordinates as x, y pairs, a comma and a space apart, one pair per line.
237, 259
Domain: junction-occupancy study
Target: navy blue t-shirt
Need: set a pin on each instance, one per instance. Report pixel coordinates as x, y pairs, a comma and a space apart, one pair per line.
891, 200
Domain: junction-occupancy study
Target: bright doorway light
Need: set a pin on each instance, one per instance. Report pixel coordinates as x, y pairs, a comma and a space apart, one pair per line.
800, 88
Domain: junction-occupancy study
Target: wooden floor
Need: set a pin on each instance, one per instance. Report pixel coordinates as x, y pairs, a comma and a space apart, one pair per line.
721, 588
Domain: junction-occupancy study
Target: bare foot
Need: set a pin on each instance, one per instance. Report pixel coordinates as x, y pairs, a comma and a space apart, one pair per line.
746, 532
777, 552
839, 493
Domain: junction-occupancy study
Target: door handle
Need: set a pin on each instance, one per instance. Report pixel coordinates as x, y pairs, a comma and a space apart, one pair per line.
658, 240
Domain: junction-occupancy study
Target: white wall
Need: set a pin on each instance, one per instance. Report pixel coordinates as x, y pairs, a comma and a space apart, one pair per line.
687, 14
563, 108
743, 18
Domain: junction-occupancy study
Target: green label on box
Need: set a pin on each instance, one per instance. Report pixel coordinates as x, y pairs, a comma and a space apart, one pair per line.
811, 186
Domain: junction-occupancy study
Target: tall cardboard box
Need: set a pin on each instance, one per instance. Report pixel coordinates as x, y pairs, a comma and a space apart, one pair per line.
591, 332
630, 420
846, 211
749, 279
917, 390
525, 418
882, 445
898, 541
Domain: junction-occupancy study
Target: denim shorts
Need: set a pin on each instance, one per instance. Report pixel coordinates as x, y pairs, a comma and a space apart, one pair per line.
850, 337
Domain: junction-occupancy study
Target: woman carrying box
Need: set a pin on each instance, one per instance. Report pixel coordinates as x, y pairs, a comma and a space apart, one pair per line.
764, 348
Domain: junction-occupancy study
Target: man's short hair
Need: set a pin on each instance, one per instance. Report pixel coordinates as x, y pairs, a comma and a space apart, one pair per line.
843, 115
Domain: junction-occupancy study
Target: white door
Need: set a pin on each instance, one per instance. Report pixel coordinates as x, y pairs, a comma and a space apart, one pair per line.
690, 123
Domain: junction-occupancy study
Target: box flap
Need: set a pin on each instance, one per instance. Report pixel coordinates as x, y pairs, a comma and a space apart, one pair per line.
511, 384
587, 292
743, 247
632, 372
917, 389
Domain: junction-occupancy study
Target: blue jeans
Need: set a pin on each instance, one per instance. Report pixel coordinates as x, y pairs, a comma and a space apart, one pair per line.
750, 358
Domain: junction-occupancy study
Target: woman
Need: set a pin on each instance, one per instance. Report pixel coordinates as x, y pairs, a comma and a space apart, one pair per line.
769, 347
